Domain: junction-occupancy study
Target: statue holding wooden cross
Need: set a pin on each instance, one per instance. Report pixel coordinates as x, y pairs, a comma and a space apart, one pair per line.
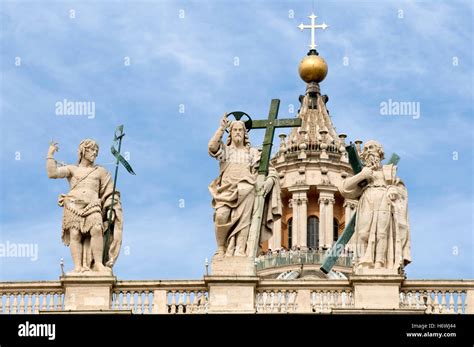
246, 194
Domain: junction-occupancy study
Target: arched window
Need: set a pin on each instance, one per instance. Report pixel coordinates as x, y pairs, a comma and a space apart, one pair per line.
335, 230
290, 233
312, 232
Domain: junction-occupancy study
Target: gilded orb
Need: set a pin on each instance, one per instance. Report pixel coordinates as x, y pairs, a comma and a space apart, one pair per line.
313, 68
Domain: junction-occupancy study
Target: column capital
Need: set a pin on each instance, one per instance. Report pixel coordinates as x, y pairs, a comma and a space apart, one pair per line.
326, 200
352, 204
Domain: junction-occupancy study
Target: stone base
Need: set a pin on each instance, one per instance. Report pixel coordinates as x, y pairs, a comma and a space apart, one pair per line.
231, 294
87, 293
232, 266
376, 290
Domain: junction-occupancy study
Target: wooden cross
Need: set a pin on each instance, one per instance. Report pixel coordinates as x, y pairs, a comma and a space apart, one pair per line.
270, 125
313, 28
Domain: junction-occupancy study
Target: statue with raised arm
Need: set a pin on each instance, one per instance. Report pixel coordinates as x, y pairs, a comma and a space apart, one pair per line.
382, 230
234, 191
87, 210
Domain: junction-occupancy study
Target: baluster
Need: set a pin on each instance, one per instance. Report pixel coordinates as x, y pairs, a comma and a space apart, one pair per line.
115, 302
429, 302
195, 302
49, 298
344, 299
187, 301
147, 302
320, 300
8, 303
60, 301
34, 303
443, 301
173, 302
22, 302
15, 303
27, 304
414, 299
285, 300
405, 298
264, 300
132, 301
459, 308
436, 302
43, 298
281, 300
339, 298
198, 301
139, 303
451, 302
330, 300
294, 304
180, 301
272, 301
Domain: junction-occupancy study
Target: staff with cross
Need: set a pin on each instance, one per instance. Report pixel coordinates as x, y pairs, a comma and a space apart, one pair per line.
242, 190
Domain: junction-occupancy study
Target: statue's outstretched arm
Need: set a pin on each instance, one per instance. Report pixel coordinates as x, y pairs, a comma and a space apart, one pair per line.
51, 167
216, 139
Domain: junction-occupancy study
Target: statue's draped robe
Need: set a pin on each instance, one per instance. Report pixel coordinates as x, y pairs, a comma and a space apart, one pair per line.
235, 188
384, 222
84, 215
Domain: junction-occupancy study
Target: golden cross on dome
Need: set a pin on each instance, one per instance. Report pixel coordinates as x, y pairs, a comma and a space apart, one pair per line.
313, 26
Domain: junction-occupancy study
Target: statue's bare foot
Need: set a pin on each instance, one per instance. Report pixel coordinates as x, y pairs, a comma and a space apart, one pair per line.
220, 252
378, 265
99, 267
85, 269
110, 263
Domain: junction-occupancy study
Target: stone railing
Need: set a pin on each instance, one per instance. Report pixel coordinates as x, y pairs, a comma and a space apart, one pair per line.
438, 296
173, 297
271, 296
303, 296
31, 297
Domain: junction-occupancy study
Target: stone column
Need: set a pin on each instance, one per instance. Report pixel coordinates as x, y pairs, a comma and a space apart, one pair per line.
330, 220
300, 215
295, 219
322, 222
326, 215
303, 225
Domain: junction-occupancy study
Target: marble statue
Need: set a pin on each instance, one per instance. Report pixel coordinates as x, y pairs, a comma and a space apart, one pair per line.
235, 189
382, 230
86, 210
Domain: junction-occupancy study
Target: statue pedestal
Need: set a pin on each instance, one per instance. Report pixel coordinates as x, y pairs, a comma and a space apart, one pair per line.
232, 285
231, 294
232, 266
376, 289
88, 293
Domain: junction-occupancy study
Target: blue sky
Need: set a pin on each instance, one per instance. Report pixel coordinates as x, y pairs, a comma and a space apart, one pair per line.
404, 51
